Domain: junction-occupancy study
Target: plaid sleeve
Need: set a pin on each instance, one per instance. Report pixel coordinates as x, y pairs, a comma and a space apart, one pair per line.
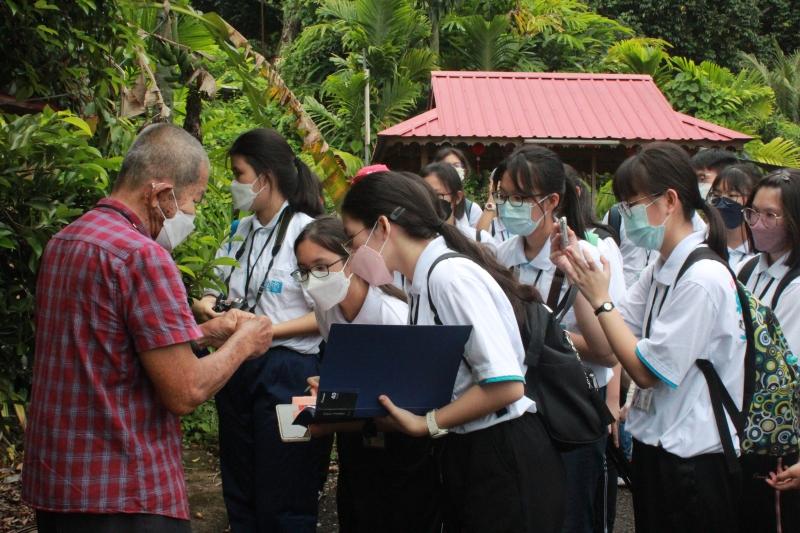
157, 311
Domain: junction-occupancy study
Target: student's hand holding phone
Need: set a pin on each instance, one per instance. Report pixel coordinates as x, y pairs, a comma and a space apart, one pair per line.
405, 421
203, 308
313, 385
584, 272
785, 478
557, 248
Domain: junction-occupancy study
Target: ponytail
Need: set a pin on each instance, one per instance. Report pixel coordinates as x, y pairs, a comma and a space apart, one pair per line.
382, 193
307, 196
717, 238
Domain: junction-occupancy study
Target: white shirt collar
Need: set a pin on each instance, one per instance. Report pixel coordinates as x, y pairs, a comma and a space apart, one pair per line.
540, 262
667, 271
434, 249
776, 270
257, 225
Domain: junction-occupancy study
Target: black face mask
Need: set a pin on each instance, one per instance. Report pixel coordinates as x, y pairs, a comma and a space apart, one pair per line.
446, 207
730, 211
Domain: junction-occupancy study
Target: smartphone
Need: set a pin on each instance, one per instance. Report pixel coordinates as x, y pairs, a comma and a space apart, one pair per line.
562, 227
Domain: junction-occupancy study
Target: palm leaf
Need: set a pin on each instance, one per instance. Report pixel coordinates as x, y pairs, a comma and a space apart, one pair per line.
780, 152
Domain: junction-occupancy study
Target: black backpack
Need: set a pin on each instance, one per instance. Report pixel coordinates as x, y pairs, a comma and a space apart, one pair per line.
565, 391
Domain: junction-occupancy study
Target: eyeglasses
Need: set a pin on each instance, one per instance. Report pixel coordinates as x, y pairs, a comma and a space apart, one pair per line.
348, 244
715, 198
318, 271
515, 200
626, 208
443, 195
751, 216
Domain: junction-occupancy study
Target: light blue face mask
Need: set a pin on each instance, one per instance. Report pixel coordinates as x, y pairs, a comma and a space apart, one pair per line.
517, 219
640, 231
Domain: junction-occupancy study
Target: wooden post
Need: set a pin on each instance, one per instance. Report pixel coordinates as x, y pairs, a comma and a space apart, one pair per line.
594, 176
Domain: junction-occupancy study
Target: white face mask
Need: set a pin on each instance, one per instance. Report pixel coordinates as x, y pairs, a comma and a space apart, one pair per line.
328, 291
460, 172
243, 195
704, 189
175, 229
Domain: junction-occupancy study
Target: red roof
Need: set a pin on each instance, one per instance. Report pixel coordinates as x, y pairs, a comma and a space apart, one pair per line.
559, 106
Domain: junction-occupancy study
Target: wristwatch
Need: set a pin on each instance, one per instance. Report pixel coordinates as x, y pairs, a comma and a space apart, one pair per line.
605, 307
433, 428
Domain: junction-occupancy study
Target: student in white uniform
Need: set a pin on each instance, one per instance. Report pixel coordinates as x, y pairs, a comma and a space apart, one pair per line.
381, 475
500, 472
458, 160
489, 220
269, 485
532, 190
728, 194
773, 214
607, 242
449, 191
658, 332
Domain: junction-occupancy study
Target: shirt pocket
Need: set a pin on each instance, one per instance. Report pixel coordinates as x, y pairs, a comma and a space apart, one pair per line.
284, 295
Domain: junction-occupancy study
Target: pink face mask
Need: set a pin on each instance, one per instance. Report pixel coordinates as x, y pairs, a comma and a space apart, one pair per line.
769, 240
368, 264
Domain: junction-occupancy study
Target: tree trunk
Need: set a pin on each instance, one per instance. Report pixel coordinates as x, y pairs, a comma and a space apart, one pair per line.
194, 106
291, 26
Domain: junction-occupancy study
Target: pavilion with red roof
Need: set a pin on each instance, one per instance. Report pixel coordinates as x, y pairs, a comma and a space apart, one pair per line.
594, 121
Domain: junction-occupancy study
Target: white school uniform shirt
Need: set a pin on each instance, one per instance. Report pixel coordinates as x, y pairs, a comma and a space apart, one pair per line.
472, 213
635, 258
471, 233
378, 308
739, 254
540, 271
764, 281
465, 294
498, 231
699, 318
283, 298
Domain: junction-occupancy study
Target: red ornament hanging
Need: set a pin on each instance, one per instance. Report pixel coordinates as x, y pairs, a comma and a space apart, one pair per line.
478, 149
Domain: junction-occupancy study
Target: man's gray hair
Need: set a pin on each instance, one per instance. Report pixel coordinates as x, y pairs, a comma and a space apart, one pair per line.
162, 151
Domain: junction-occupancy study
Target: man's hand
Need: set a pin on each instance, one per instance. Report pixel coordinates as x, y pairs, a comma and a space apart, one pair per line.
254, 336
217, 330
785, 478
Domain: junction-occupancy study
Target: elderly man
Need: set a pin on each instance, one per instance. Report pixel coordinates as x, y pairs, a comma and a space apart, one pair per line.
114, 365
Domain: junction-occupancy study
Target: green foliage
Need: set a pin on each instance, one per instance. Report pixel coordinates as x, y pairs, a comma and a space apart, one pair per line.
782, 74
49, 174
698, 29
202, 425
714, 93
778, 151
605, 198
640, 55
478, 44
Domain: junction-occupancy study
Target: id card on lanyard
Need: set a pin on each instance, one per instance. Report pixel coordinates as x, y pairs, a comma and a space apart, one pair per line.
273, 286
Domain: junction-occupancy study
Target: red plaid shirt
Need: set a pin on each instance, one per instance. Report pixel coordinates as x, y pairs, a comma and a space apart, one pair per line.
98, 438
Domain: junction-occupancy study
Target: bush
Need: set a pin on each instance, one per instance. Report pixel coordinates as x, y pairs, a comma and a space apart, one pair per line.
49, 174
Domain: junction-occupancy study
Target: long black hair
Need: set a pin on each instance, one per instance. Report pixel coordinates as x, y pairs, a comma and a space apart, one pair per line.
538, 169
449, 178
660, 166
266, 150
584, 193
788, 182
382, 193
740, 178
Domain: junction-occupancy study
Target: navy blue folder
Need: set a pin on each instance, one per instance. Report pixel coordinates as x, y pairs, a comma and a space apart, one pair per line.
415, 366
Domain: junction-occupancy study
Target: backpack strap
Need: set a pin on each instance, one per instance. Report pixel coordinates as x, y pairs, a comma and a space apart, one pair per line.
785, 281
436, 320
477, 235
721, 400
234, 227
560, 307
747, 270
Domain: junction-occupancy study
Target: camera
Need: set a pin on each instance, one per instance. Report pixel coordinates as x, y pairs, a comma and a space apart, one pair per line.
222, 304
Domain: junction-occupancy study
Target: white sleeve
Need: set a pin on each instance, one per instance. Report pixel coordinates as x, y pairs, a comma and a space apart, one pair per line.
679, 335
474, 214
788, 313
634, 302
466, 299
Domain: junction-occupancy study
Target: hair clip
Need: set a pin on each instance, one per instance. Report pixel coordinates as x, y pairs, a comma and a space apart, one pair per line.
397, 213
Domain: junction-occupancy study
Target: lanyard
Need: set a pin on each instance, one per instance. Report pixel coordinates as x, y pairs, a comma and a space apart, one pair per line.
652, 307
766, 289
124, 215
413, 310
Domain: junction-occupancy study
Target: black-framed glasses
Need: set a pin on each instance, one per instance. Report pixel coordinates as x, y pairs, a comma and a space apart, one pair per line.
516, 200
752, 216
715, 198
626, 208
318, 271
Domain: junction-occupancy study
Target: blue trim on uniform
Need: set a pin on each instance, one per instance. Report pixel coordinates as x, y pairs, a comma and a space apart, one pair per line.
500, 379
655, 372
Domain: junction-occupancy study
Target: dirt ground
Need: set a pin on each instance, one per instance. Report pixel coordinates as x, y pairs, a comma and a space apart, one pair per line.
205, 499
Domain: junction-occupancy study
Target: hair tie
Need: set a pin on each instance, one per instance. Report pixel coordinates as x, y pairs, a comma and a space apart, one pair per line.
439, 225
